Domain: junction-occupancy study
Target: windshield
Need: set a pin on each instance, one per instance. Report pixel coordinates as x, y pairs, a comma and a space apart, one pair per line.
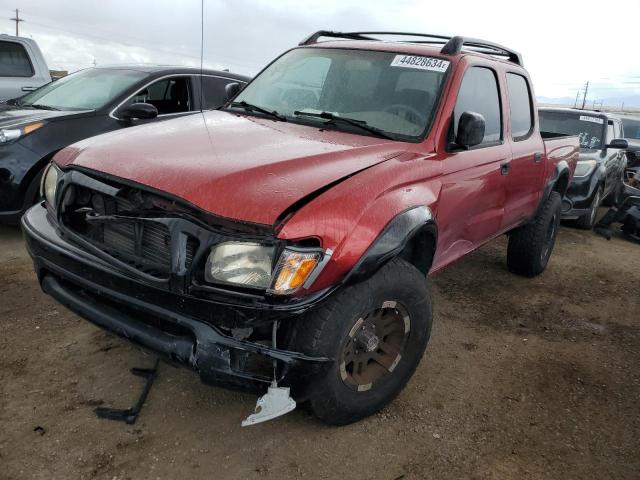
394, 94
85, 90
589, 128
631, 128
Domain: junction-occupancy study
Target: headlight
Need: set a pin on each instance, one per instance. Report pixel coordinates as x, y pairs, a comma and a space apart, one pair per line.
250, 265
584, 168
9, 134
238, 263
49, 184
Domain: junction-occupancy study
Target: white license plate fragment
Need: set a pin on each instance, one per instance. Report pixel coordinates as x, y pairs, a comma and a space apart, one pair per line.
421, 63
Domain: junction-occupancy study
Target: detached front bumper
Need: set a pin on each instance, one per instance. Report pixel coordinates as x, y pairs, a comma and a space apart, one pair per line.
579, 196
157, 320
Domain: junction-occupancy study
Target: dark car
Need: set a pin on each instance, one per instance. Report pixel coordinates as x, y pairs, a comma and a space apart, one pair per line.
89, 102
600, 170
631, 126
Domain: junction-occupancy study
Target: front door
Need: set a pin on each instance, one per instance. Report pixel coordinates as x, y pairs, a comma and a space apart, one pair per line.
471, 206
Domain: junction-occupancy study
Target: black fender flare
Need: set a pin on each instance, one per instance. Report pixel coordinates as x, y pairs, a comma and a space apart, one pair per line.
562, 170
393, 240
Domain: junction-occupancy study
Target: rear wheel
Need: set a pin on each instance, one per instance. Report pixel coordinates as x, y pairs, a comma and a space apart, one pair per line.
376, 332
531, 245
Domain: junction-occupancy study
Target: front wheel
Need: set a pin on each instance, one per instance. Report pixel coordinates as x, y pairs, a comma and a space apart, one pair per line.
531, 245
588, 220
376, 331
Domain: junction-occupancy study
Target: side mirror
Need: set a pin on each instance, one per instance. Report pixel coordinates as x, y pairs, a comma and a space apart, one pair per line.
470, 129
138, 110
231, 90
620, 143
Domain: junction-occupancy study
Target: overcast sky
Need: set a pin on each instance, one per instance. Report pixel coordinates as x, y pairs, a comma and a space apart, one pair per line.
564, 43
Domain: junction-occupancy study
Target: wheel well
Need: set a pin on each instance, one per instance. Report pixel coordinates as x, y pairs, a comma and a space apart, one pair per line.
419, 249
35, 170
561, 184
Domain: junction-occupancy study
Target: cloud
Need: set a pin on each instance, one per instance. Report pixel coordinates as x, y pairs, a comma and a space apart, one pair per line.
563, 44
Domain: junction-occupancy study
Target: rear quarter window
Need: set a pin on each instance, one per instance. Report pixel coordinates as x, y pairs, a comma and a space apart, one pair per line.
14, 60
214, 90
520, 106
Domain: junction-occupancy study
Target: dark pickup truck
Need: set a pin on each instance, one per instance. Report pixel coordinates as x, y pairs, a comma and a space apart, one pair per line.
283, 242
600, 170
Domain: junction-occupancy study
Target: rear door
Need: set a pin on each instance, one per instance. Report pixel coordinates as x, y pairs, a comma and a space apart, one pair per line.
471, 206
524, 177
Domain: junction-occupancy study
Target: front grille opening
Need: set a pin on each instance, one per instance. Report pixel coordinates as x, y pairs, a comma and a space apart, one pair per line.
192, 248
142, 244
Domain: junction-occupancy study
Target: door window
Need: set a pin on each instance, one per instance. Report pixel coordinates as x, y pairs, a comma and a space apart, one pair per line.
610, 132
617, 130
479, 94
520, 106
14, 61
214, 90
170, 95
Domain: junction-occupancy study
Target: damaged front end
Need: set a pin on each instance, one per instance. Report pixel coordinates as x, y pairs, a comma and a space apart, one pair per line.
134, 263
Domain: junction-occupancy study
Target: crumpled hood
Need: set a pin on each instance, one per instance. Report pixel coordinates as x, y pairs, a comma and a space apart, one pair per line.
17, 116
239, 167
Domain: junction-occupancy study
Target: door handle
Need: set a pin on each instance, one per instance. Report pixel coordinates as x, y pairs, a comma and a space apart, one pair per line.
504, 168
28, 89
537, 157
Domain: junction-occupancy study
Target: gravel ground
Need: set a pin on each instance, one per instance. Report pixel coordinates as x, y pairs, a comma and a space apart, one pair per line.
523, 378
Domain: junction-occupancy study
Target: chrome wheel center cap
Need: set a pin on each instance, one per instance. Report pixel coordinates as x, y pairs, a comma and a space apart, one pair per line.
368, 340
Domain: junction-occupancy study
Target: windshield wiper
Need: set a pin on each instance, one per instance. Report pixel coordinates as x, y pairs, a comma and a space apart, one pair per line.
249, 107
41, 107
333, 118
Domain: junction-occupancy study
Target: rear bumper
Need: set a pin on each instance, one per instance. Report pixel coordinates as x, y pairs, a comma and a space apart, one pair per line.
151, 318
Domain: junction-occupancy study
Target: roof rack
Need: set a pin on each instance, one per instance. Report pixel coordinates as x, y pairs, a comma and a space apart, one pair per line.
451, 45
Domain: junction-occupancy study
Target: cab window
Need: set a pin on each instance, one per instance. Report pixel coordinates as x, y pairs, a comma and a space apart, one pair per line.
14, 61
169, 95
479, 93
520, 106
610, 131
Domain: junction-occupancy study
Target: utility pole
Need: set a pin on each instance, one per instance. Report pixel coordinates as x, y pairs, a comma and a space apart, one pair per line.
575, 103
584, 98
17, 19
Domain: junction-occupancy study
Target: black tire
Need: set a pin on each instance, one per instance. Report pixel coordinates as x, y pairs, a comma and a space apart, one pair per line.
326, 331
531, 245
588, 220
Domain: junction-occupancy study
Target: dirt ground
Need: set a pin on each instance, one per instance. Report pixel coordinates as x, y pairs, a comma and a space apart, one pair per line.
523, 378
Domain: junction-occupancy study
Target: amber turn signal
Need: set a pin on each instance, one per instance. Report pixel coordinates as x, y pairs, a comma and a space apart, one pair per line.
294, 267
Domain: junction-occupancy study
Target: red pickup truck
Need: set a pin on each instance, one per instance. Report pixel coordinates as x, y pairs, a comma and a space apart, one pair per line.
284, 241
